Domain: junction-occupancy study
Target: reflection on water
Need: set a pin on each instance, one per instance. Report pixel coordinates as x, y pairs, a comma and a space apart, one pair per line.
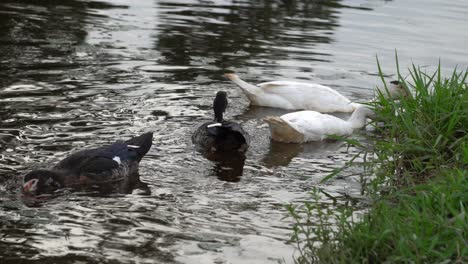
228, 166
245, 33
78, 74
281, 154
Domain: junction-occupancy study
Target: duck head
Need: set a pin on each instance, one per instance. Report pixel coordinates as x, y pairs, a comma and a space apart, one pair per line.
395, 89
219, 105
39, 182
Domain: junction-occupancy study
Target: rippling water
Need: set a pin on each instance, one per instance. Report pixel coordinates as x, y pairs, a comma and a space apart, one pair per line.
79, 73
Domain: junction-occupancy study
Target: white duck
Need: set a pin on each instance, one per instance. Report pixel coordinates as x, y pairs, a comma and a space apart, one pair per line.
298, 95
304, 126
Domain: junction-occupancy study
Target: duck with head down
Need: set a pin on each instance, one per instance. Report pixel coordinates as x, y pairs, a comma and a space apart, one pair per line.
305, 96
108, 167
306, 126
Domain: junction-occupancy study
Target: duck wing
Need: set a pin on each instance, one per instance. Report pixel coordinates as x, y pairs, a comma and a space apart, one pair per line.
222, 136
317, 126
98, 160
298, 95
132, 149
101, 161
73, 162
235, 127
99, 168
218, 129
281, 87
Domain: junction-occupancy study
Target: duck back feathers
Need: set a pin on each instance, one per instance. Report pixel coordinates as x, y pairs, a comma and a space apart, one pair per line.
294, 95
305, 96
221, 135
225, 136
108, 157
304, 126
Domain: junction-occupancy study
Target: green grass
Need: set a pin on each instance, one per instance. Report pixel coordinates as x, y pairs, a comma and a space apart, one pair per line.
419, 184
421, 224
425, 133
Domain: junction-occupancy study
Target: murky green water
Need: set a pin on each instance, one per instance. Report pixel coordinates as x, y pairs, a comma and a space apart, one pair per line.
77, 73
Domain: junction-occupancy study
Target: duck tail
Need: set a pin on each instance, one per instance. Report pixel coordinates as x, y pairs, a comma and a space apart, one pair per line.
249, 89
283, 131
142, 143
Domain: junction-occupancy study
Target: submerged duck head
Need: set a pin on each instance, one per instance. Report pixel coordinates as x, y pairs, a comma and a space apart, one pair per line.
365, 111
358, 118
42, 181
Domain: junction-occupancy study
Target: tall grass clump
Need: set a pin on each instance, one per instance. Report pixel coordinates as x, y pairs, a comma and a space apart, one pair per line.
424, 133
418, 163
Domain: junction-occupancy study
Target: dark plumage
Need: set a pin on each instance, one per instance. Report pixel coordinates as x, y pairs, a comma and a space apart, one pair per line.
106, 166
221, 135
220, 104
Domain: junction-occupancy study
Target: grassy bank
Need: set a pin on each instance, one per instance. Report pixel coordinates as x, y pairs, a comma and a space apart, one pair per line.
419, 185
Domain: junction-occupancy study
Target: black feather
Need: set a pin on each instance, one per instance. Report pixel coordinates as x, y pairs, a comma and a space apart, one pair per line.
221, 135
220, 104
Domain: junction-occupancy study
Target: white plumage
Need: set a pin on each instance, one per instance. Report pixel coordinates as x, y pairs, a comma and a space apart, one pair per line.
117, 159
298, 95
304, 126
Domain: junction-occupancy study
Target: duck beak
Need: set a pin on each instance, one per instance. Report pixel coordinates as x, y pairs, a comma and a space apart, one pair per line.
30, 186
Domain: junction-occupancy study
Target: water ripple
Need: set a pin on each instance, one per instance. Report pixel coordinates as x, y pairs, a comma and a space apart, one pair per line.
86, 73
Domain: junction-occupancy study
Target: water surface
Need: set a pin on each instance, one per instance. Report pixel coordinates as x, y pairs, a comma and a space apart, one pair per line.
78, 73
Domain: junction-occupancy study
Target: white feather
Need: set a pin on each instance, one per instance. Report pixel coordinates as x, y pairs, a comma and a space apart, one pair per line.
295, 95
117, 159
299, 95
214, 125
315, 126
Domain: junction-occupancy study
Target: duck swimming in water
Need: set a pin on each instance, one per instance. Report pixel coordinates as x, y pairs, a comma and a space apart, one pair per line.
305, 126
304, 96
221, 135
103, 166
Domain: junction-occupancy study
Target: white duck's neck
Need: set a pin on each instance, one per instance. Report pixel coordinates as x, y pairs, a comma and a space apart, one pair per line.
250, 88
358, 119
